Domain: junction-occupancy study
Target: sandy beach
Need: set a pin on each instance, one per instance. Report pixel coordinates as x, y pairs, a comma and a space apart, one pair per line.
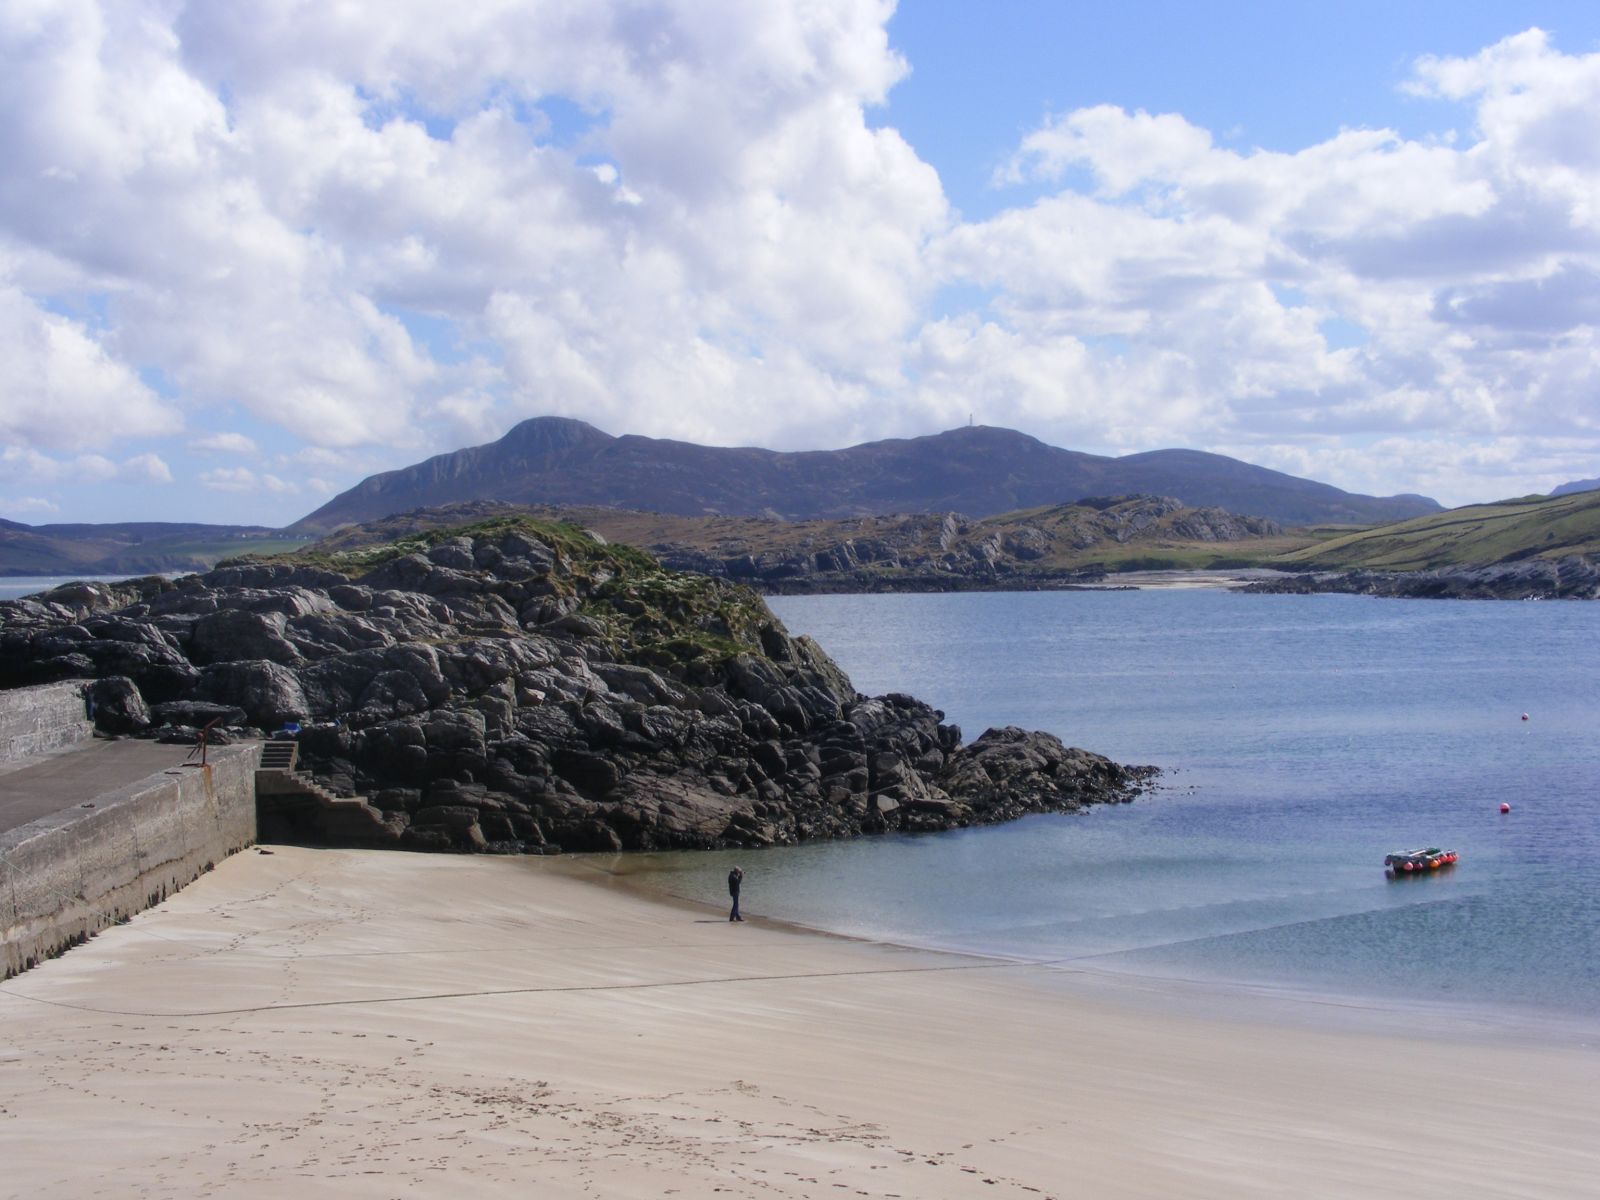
372, 1024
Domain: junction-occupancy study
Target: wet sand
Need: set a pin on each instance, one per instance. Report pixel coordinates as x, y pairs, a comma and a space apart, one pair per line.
320, 1023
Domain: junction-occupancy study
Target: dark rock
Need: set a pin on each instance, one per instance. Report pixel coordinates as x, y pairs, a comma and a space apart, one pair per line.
232, 634
268, 693
118, 706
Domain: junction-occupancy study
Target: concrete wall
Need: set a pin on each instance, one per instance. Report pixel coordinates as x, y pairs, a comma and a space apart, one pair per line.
72, 874
35, 720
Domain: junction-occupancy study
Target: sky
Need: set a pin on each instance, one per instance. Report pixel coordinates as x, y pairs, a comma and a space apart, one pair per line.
250, 254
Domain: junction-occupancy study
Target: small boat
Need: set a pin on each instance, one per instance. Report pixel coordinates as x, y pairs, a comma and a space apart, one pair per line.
1417, 862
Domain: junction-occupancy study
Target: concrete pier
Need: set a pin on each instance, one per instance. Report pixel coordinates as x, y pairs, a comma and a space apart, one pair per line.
94, 831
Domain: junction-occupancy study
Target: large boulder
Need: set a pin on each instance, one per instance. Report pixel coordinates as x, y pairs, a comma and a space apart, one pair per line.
117, 705
234, 634
268, 693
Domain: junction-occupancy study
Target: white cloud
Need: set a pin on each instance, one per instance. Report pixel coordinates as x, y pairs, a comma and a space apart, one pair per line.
761, 219
223, 443
1467, 275
29, 504
354, 222
145, 468
23, 465
60, 388
230, 479
243, 479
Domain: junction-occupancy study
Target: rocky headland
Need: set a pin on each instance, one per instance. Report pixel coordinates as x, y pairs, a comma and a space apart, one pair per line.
1572, 577
519, 686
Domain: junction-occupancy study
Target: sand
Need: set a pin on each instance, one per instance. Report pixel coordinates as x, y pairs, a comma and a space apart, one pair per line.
328, 1023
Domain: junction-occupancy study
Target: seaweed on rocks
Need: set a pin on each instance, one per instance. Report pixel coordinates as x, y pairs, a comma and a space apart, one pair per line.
517, 685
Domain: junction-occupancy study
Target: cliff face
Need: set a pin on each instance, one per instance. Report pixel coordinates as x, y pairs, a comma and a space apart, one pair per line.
517, 686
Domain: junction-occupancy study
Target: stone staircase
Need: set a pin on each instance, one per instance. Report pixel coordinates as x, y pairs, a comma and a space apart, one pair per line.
291, 806
279, 756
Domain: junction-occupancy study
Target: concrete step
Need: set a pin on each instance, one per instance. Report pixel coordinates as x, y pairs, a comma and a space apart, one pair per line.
279, 756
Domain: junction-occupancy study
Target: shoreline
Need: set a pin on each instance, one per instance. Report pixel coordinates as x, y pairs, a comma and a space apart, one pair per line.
372, 1023
1234, 1000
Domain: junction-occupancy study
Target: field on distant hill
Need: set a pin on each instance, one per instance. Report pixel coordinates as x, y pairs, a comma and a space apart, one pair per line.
1477, 535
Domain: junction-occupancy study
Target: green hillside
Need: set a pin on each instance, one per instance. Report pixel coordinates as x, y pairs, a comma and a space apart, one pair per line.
1477, 535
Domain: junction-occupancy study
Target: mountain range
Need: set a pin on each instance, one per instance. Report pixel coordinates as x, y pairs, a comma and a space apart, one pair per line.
977, 470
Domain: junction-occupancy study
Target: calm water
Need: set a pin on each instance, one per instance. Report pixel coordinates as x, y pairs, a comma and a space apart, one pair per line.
1303, 737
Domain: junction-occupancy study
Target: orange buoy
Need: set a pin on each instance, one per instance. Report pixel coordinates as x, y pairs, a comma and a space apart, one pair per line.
1505, 808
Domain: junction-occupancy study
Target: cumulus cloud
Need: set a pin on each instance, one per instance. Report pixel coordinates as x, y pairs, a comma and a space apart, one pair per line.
62, 388
28, 504
21, 464
1466, 273
145, 468
230, 479
266, 198
386, 230
243, 479
223, 443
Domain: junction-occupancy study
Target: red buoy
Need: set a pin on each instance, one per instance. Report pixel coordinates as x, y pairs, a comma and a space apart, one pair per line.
1505, 808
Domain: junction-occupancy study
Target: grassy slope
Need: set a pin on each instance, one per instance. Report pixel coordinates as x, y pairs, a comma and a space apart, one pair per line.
1479, 534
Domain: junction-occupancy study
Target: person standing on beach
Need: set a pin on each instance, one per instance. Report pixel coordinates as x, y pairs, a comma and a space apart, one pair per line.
735, 878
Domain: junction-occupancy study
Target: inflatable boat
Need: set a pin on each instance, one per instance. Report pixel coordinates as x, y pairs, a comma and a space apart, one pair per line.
1417, 862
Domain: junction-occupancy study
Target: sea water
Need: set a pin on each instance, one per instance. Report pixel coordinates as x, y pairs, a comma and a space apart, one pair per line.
1300, 737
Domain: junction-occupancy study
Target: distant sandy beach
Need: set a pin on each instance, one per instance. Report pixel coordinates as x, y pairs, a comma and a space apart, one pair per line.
1196, 578
372, 1024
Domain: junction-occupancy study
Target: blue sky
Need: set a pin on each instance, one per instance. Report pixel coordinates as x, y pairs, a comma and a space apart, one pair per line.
249, 255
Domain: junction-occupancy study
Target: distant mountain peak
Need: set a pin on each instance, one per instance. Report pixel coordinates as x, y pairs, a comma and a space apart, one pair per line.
1577, 485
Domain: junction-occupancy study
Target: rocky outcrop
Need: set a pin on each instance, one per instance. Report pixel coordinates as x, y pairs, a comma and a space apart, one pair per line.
1573, 577
518, 687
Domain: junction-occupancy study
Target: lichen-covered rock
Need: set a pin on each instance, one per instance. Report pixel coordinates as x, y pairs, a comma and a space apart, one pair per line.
518, 686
